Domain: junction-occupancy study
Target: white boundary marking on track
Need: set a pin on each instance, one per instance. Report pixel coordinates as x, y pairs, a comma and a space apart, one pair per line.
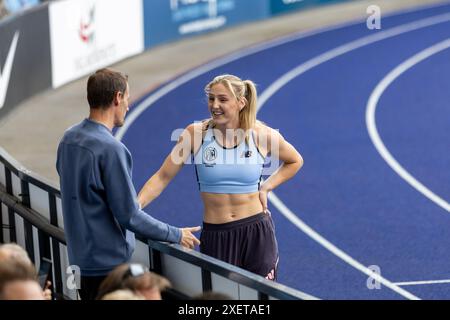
372, 128
335, 250
320, 59
345, 48
416, 283
327, 56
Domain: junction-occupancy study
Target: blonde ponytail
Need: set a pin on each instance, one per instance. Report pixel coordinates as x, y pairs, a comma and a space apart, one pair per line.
247, 117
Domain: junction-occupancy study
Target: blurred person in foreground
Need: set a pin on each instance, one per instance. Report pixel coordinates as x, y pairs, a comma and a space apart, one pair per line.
122, 294
136, 278
14, 252
99, 202
18, 281
3, 11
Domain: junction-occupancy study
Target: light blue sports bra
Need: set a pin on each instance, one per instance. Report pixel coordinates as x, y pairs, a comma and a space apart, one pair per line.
228, 170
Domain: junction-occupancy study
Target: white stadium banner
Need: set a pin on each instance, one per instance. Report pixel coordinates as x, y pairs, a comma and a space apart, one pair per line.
87, 35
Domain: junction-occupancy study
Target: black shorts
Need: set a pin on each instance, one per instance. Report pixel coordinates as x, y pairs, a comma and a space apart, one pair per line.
248, 243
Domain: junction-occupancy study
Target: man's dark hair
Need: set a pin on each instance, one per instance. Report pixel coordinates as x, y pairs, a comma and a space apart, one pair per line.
103, 85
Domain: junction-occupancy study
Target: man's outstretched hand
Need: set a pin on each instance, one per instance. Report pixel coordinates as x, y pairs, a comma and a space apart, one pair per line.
188, 240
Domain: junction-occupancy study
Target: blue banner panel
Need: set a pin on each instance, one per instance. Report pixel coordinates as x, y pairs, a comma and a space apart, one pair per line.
283, 6
168, 20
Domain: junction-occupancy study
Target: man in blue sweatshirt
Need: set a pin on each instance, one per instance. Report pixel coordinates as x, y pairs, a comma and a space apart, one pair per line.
99, 201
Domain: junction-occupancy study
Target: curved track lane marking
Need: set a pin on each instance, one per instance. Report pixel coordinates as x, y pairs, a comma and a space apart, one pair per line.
308, 65
372, 127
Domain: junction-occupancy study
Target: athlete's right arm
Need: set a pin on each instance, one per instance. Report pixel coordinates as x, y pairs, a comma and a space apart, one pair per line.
170, 167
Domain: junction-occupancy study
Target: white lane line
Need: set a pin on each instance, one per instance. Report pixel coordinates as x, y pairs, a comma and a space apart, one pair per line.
320, 59
372, 128
345, 48
416, 283
335, 250
327, 56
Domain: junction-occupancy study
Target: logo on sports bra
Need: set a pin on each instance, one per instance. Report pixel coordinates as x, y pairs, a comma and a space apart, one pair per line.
246, 154
210, 154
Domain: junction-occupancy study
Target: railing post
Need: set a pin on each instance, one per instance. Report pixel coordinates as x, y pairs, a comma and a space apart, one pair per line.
155, 260
12, 221
55, 244
206, 280
262, 296
29, 245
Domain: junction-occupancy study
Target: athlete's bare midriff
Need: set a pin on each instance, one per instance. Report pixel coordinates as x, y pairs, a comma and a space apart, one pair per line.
223, 208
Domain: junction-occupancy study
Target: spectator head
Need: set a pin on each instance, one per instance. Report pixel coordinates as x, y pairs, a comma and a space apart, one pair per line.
12, 251
122, 294
137, 278
18, 282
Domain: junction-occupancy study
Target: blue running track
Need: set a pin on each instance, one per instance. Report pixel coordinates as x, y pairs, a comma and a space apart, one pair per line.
348, 208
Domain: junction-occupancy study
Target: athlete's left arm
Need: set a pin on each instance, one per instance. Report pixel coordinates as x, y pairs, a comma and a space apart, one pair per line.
291, 160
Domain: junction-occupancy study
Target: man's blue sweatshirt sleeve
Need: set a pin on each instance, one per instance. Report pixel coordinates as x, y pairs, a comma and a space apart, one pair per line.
122, 199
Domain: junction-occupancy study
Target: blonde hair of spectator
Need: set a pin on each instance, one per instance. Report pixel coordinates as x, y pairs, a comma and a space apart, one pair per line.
122, 294
148, 284
18, 281
15, 252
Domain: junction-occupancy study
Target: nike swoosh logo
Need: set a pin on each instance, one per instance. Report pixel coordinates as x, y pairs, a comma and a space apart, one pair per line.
6, 73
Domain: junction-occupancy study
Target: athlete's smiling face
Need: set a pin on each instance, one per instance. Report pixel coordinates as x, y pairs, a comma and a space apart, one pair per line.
223, 106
